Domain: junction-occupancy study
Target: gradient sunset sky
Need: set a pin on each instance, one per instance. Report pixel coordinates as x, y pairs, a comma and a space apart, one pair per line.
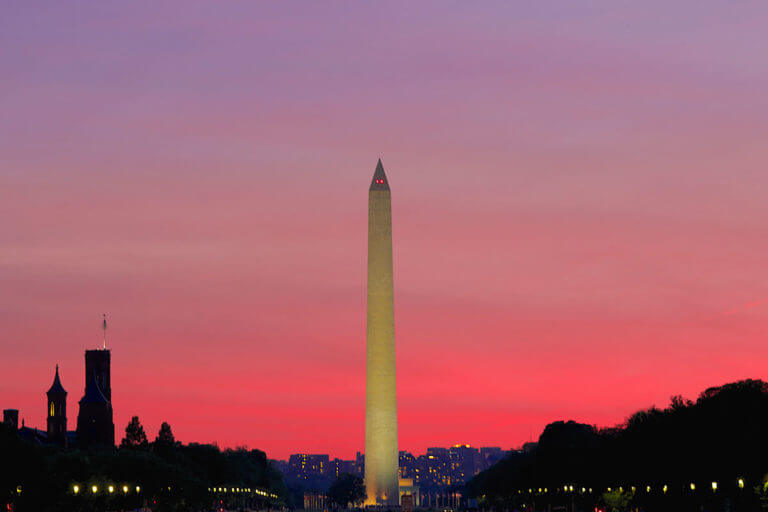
579, 200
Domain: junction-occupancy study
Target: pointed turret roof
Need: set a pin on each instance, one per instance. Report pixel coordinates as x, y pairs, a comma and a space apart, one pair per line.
56, 387
92, 392
379, 181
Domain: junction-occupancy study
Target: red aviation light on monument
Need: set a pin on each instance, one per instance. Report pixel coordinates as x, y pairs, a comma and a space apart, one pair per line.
379, 181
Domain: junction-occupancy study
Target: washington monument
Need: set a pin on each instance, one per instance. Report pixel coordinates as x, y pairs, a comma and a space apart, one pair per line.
381, 455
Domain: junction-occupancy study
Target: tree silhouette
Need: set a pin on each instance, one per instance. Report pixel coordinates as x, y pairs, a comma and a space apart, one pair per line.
656, 458
134, 435
165, 436
346, 489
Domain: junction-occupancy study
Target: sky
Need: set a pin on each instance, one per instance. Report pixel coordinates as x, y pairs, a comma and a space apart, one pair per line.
579, 211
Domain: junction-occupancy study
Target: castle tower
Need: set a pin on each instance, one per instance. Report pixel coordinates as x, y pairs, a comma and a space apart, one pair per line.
95, 423
381, 454
97, 364
57, 412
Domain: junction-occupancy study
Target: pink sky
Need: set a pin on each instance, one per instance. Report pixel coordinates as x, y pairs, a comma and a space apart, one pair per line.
579, 197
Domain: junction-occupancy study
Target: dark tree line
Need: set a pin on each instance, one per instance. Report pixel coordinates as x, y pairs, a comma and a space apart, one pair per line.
171, 476
660, 459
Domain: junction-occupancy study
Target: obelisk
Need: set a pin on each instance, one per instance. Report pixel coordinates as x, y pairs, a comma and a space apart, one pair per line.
381, 455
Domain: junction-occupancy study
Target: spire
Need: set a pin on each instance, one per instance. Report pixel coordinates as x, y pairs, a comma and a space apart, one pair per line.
56, 387
379, 181
104, 326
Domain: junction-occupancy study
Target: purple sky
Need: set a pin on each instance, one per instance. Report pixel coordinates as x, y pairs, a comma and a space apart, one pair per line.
579, 194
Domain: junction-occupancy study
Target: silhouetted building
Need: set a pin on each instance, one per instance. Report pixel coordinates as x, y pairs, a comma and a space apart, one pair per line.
316, 501
409, 493
338, 467
57, 412
432, 479
94, 421
98, 363
305, 465
464, 463
11, 417
407, 466
490, 455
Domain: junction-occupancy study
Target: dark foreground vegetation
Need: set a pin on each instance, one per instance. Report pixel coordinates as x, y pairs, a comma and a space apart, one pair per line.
163, 475
708, 455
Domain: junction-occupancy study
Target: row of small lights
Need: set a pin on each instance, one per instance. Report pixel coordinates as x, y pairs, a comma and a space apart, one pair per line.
569, 488
241, 490
76, 489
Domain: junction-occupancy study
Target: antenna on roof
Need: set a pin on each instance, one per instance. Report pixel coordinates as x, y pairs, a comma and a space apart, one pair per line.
104, 326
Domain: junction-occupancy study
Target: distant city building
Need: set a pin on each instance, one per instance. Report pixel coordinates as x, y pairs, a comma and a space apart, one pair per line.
280, 465
407, 466
409, 494
316, 501
490, 455
305, 465
57, 412
431, 479
338, 467
464, 463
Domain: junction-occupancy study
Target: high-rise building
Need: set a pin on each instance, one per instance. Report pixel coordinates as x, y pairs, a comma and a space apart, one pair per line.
381, 454
338, 467
306, 466
464, 463
57, 412
435, 467
407, 465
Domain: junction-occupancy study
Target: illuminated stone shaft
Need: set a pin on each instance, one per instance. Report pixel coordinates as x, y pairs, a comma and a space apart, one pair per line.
381, 454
